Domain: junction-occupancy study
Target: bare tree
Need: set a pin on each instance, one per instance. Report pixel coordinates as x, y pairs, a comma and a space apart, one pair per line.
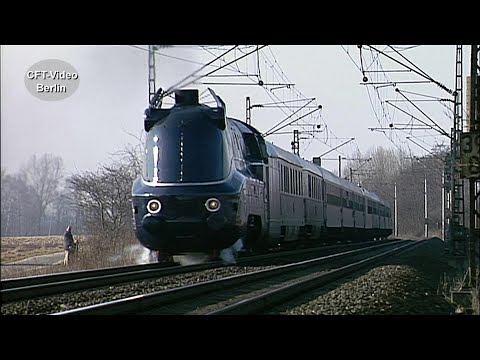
387, 167
61, 212
17, 206
43, 174
105, 198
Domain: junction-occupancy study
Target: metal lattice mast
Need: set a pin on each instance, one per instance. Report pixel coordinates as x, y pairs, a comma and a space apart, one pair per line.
249, 111
151, 72
474, 182
296, 142
457, 203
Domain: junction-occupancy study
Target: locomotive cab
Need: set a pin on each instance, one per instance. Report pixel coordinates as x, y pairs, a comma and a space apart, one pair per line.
187, 199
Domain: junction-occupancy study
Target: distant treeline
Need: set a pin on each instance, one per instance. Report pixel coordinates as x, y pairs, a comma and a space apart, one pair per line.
379, 170
40, 200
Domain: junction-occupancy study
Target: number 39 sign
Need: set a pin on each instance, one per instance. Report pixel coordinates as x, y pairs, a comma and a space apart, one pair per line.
470, 149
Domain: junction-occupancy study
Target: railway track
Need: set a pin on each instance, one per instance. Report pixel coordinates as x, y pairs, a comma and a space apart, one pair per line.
248, 293
61, 283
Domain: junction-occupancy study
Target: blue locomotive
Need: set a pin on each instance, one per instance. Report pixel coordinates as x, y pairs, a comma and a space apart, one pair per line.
209, 180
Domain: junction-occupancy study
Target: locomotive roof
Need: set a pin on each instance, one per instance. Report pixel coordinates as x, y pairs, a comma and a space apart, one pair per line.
244, 128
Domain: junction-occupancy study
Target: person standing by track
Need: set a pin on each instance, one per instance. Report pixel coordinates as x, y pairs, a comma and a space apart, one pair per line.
69, 244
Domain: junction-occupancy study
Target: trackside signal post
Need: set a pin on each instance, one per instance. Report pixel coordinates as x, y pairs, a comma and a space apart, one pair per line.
463, 166
151, 72
470, 148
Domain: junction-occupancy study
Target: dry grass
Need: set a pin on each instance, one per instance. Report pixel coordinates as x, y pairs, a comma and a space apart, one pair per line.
94, 253
19, 248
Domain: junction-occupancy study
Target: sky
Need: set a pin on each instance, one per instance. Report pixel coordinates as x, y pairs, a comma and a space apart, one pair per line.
105, 113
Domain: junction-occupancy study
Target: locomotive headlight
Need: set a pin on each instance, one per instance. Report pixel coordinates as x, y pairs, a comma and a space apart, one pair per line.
154, 206
212, 204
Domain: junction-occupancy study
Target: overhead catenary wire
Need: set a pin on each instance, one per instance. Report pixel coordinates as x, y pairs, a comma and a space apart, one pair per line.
277, 71
421, 73
198, 70
385, 111
170, 90
438, 128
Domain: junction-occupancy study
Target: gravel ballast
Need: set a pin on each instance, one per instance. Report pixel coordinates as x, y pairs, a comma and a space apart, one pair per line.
58, 303
409, 283
406, 284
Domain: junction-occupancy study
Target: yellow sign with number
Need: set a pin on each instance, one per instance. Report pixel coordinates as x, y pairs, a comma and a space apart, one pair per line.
470, 149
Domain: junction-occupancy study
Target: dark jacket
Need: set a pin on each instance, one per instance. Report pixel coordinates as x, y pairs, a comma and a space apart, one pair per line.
68, 240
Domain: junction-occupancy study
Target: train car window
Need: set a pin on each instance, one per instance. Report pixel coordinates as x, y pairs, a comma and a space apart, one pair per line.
280, 177
334, 200
256, 170
321, 192
287, 180
295, 176
280, 182
262, 147
252, 150
290, 171
313, 186
309, 186
297, 182
293, 181
301, 183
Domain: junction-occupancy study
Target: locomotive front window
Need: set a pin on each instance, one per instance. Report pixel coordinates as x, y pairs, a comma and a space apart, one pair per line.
186, 148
